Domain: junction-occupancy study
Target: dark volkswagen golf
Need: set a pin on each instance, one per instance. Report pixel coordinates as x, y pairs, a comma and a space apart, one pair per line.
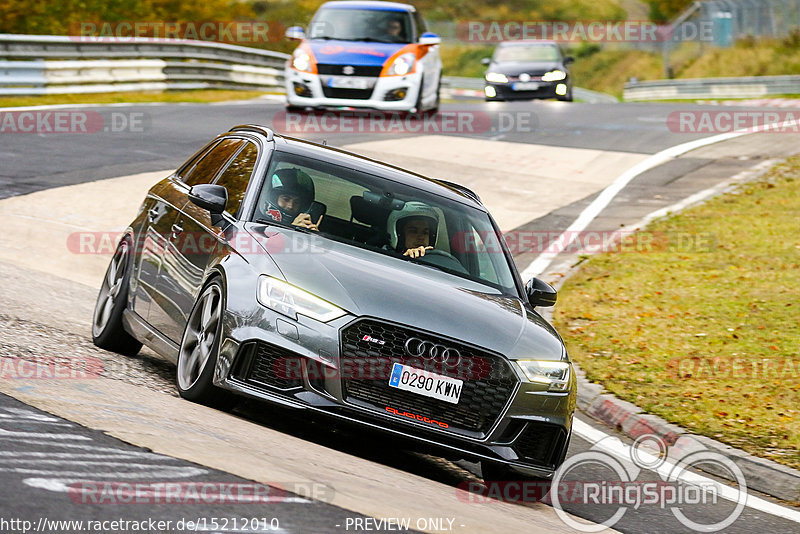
281, 270
524, 70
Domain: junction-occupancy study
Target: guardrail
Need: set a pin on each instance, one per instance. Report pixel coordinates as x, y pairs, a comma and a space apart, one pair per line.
690, 89
49, 64
45, 64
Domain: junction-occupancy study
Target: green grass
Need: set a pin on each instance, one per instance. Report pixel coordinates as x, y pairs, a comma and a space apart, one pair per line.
702, 327
200, 96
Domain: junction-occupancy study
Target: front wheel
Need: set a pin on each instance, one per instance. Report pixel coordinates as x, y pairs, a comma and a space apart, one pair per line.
107, 330
199, 348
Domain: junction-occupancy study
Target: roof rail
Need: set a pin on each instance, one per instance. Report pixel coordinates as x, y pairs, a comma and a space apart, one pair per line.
257, 128
461, 189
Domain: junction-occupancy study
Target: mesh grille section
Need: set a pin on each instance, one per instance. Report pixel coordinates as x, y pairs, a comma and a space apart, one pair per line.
540, 443
275, 367
353, 94
488, 380
358, 70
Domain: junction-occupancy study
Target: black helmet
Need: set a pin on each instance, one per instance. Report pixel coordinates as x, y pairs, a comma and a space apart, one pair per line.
289, 182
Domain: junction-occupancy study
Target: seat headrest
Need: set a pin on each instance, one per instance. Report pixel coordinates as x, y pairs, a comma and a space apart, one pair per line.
367, 212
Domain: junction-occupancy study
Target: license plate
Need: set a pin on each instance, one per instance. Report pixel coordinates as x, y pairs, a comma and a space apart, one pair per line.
426, 383
342, 82
525, 86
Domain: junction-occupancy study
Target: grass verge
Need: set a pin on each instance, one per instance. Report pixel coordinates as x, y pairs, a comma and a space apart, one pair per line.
199, 96
704, 330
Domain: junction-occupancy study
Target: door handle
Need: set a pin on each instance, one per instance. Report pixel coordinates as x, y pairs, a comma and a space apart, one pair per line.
176, 229
152, 214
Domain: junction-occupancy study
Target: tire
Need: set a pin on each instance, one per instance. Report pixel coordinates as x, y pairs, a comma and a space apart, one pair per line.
197, 356
294, 109
418, 104
567, 97
112, 299
435, 109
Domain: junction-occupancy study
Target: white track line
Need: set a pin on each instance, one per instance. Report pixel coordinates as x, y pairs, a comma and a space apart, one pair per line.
543, 261
596, 437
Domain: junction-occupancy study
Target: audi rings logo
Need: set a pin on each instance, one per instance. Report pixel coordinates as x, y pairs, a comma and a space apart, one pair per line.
432, 351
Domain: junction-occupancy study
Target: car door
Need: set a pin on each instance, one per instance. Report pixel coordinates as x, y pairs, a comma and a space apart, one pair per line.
169, 307
162, 206
200, 239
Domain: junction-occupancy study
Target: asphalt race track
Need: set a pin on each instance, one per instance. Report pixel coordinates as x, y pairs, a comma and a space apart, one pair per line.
320, 478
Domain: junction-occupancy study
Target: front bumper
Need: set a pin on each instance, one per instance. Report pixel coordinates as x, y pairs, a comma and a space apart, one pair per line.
313, 95
545, 90
302, 364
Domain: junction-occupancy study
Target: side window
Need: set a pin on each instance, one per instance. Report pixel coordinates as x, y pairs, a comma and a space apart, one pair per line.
420, 22
208, 166
237, 175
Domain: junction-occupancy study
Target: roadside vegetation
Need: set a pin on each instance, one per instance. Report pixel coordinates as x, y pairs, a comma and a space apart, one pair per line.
199, 96
703, 326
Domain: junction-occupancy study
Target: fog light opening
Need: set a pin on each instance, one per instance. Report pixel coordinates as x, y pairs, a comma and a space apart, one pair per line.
490, 91
561, 89
301, 89
396, 94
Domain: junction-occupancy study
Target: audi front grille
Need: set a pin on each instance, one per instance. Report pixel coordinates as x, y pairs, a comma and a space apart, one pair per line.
489, 381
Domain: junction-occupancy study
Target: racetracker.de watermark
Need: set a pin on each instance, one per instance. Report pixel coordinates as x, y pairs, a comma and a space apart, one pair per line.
229, 32
785, 369
577, 31
460, 366
201, 492
584, 242
462, 243
51, 368
388, 122
725, 121
72, 122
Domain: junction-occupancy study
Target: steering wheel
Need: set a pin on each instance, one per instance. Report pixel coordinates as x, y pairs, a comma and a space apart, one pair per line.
441, 258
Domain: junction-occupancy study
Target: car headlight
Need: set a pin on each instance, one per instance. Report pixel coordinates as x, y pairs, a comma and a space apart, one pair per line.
553, 373
289, 300
301, 60
402, 65
496, 77
554, 76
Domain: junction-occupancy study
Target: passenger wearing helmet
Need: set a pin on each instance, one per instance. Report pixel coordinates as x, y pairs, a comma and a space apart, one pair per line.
412, 230
290, 196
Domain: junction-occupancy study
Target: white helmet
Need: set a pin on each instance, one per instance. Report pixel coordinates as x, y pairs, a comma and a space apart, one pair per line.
412, 209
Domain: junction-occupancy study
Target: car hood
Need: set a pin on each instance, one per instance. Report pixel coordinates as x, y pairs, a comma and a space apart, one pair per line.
367, 283
353, 52
535, 68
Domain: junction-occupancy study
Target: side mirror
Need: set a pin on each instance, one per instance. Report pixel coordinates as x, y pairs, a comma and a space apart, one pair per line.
210, 197
486, 61
295, 33
429, 38
540, 293
568, 60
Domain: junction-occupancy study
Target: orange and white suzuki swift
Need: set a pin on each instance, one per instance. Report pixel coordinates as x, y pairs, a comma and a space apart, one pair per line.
365, 54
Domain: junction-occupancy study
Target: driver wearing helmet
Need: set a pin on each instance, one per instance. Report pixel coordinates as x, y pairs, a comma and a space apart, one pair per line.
290, 196
413, 229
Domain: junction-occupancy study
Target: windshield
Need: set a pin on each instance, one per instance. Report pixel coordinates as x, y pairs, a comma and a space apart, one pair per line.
525, 54
362, 25
385, 217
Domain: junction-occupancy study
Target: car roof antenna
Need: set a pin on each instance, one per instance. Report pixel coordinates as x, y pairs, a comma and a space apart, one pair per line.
324, 142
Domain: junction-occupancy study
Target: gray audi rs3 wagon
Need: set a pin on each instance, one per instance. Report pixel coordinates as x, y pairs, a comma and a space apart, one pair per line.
281, 270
